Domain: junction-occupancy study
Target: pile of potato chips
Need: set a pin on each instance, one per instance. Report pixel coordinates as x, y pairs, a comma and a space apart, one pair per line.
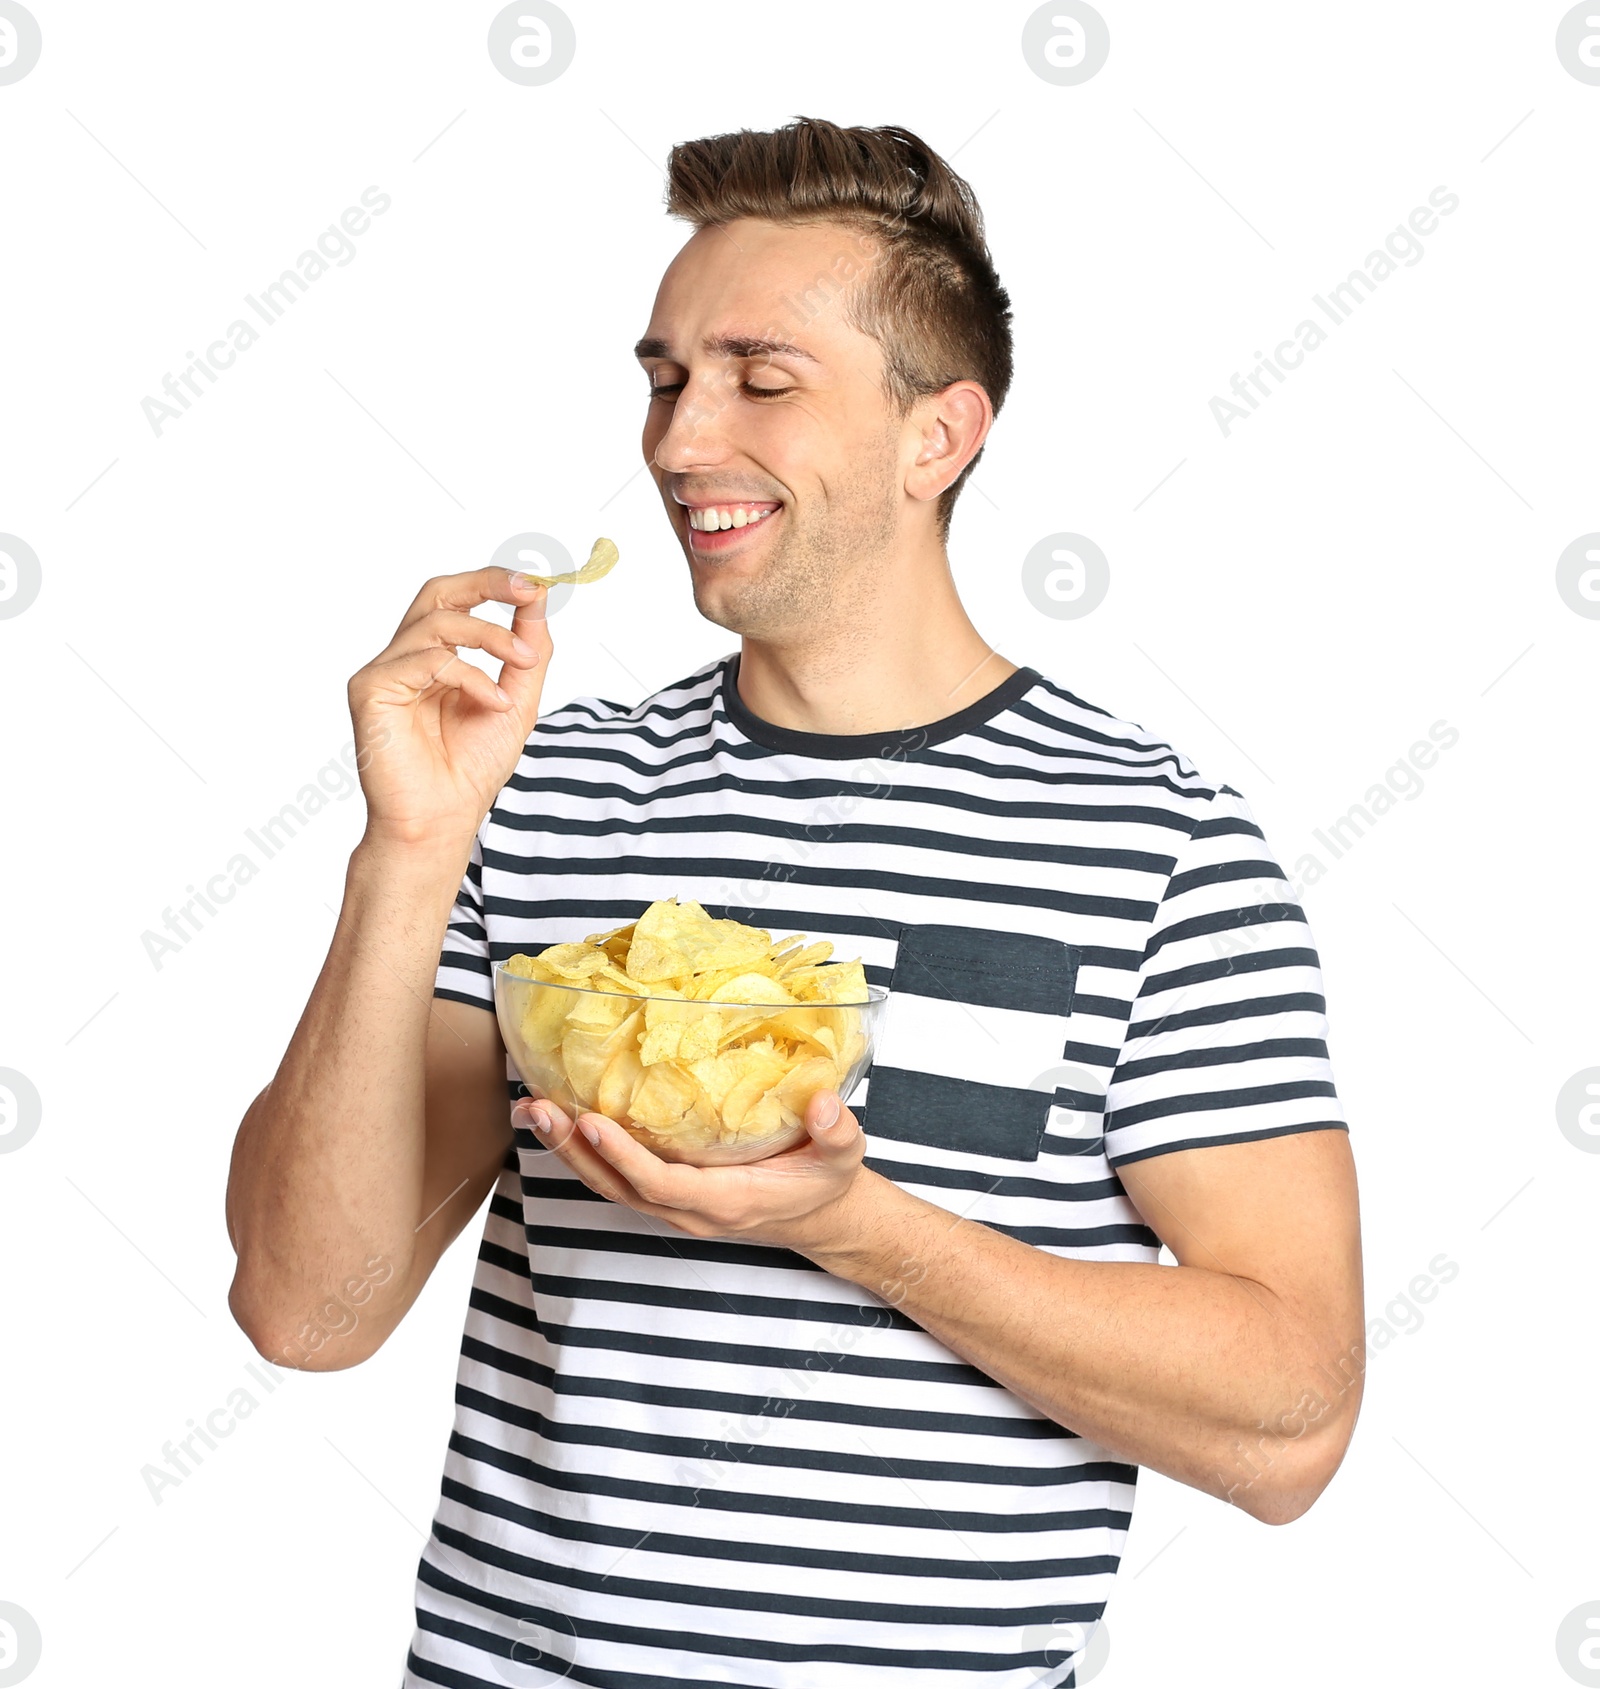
691, 1031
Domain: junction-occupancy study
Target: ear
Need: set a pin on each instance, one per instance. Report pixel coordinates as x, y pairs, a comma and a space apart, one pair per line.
947, 429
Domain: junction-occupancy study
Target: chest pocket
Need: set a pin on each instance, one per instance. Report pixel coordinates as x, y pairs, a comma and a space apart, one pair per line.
973, 1040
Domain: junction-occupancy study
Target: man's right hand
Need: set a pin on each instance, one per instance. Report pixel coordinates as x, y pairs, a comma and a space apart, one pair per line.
436, 739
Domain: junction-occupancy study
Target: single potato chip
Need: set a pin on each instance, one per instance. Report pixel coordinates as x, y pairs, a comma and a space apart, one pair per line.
829, 982
665, 1095
750, 988
671, 939
602, 559
574, 961
621, 1080
615, 943
804, 958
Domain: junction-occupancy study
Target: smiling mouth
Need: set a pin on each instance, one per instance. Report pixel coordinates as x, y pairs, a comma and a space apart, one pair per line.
725, 527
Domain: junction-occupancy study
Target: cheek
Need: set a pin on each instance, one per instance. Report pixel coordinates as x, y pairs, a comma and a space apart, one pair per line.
797, 437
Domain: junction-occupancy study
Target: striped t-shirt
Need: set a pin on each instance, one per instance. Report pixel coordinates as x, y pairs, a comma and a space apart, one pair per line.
695, 1461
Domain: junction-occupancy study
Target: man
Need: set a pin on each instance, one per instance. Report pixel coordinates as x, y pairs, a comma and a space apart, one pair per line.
870, 1411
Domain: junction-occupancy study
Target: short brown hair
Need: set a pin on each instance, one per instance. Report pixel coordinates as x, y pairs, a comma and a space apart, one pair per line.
934, 303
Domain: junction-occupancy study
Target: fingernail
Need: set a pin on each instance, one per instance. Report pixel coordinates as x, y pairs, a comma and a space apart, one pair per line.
521, 647
830, 1111
589, 1132
504, 697
541, 1120
522, 583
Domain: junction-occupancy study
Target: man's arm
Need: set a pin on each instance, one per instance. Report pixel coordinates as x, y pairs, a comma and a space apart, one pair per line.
1238, 1371
380, 1136
387, 1121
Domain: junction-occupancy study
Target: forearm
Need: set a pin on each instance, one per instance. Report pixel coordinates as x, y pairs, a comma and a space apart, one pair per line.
1201, 1375
328, 1165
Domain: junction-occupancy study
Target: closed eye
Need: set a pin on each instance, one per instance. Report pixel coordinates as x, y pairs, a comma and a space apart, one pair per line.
670, 390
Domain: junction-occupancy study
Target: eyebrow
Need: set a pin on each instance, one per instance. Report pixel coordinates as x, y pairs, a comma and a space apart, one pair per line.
729, 346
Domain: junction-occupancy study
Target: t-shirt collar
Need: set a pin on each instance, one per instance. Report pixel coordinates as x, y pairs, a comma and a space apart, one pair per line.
895, 742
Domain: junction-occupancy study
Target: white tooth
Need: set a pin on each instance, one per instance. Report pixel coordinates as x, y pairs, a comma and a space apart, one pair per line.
740, 517
724, 519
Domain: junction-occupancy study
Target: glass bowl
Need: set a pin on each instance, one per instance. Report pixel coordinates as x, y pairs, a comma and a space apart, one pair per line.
706, 1083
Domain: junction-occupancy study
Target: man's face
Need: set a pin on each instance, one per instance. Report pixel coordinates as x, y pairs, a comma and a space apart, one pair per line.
767, 405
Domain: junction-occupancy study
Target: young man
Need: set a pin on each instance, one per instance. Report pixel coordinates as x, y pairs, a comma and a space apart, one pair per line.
869, 1412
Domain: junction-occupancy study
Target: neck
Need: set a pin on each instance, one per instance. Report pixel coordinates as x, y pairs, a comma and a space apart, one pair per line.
901, 658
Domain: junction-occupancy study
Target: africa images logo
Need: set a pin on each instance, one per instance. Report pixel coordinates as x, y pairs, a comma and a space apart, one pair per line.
20, 42
532, 42
20, 576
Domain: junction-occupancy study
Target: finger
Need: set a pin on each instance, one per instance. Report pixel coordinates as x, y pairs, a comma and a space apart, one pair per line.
467, 591
406, 679
554, 1127
524, 684
451, 629
833, 1128
667, 1183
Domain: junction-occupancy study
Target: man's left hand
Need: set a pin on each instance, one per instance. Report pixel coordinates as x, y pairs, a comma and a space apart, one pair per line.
796, 1198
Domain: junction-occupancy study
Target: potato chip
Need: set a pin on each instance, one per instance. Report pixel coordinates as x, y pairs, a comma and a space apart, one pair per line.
759, 1068
615, 943
586, 1052
574, 961
703, 986
750, 988
803, 1081
664, 1096
602, 559
831, 982
602, 1011
803, 958
545, 1019
677, 1031
715, 1076
803, 1027
671, 939
618, 1083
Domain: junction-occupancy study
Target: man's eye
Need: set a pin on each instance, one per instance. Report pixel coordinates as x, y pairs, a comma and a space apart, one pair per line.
671, 389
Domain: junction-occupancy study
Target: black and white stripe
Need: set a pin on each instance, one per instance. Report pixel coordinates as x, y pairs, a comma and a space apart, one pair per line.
683, 1461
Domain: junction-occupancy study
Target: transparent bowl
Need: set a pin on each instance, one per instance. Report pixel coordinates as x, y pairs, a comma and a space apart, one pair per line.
724, 1082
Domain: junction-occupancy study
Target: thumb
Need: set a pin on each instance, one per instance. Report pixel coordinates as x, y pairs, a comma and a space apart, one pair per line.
523, 686
831, 1125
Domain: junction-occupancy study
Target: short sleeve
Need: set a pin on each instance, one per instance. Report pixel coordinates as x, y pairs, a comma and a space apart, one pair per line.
1227, 1041
465, 974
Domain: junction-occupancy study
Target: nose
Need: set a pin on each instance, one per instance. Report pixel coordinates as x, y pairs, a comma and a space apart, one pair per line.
695, 434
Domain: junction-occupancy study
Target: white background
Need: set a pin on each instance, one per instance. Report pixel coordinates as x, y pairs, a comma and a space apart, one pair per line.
1372, 552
